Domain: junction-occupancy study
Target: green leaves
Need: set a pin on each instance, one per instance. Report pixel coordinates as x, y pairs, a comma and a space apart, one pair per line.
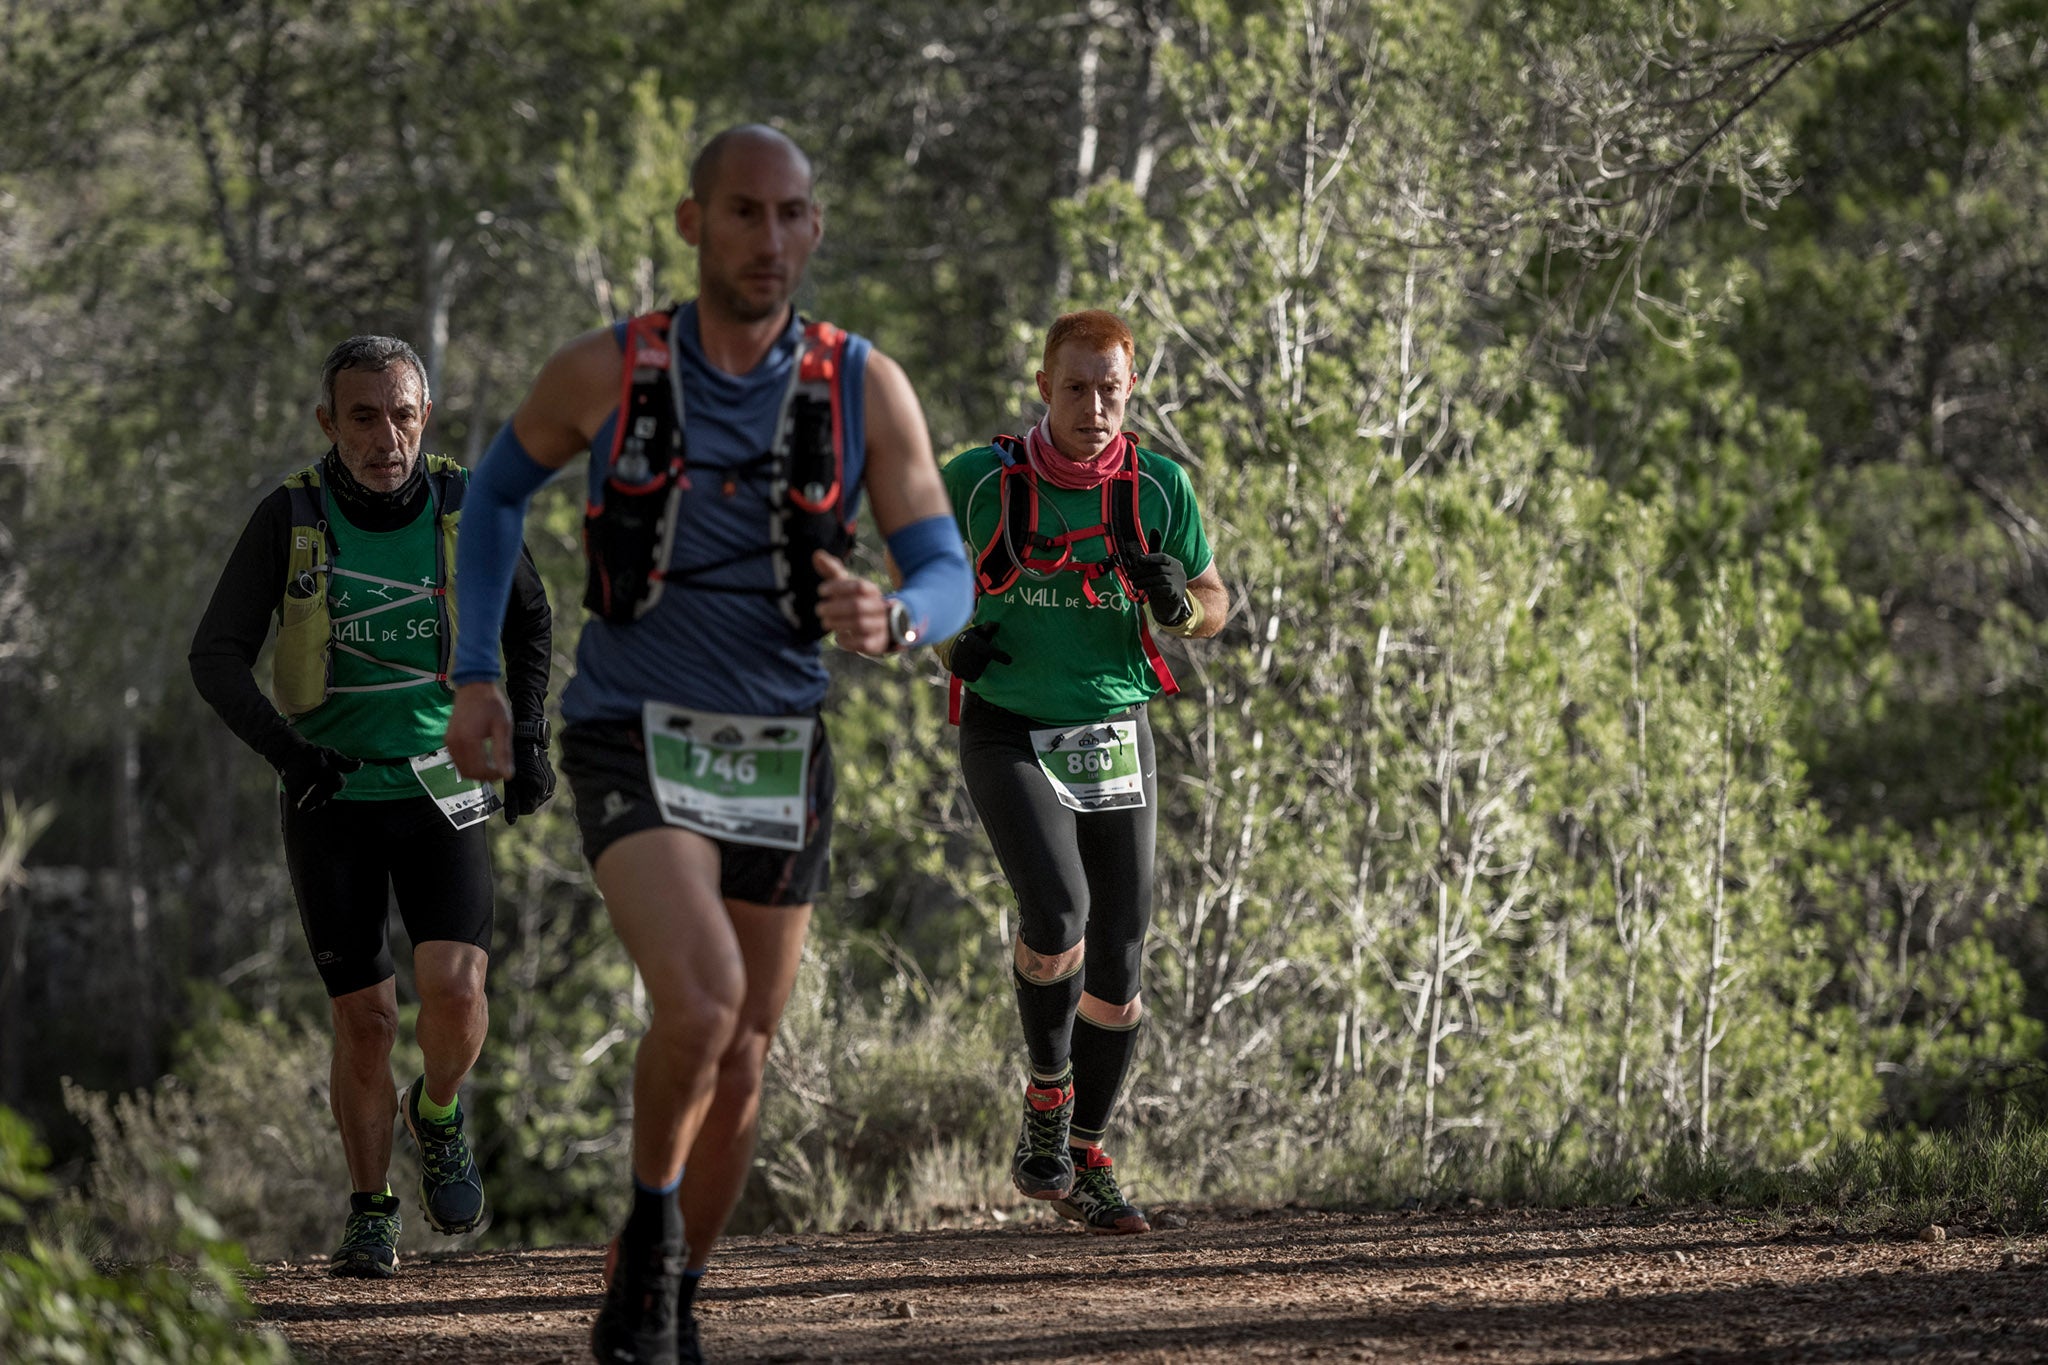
57, 1306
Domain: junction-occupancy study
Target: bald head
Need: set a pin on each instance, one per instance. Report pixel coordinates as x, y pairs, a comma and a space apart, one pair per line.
746, 142
754, 220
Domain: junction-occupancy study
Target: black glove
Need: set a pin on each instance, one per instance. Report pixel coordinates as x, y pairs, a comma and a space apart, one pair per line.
973, 650
1163, 581
532, 784
313, 773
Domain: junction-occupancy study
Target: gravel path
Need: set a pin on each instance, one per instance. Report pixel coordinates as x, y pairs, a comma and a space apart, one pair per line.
1465, 1286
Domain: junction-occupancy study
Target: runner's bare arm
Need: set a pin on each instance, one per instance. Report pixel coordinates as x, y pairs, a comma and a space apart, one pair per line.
574, 391
1208, 591
903, 477
903, 486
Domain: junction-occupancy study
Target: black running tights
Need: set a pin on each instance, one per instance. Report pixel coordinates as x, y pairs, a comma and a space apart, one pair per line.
1075, 874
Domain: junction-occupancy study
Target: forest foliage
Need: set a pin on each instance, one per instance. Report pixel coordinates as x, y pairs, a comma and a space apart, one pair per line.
1616, 424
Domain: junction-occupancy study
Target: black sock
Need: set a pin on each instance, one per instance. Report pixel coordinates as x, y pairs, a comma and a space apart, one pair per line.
381, 1201
1048, 1014
687, 1295
656, 1223
1101, 1057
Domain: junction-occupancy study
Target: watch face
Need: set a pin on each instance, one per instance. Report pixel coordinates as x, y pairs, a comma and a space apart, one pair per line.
900, 633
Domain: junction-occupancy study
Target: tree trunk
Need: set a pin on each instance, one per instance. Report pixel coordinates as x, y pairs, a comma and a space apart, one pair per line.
13, 986
1717, 949
133, 900
438, 290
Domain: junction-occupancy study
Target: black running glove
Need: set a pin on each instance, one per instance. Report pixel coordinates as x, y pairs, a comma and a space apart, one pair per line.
973, 650
313, 773
1164, 581
532, 784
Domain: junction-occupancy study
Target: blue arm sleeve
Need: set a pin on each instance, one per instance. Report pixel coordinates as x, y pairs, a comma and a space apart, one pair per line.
938, 587
487, 549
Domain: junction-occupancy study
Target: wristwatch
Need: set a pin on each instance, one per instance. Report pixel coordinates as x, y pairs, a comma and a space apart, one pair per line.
534, 731
902, 633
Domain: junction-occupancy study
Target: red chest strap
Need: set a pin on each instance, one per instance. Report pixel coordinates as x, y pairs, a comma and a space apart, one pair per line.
996, 568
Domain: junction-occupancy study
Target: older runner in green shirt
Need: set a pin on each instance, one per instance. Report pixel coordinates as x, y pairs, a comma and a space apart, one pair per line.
351, 560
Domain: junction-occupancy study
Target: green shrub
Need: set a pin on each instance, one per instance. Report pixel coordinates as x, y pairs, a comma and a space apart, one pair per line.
891, 1106
184, 1306
248, 1112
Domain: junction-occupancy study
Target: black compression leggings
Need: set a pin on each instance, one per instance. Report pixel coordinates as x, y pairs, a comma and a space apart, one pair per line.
1075, 874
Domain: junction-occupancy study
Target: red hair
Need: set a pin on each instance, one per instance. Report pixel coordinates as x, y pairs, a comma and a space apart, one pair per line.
1095, 328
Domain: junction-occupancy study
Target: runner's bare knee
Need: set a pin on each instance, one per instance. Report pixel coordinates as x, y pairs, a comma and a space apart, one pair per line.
366, 1022
1046, 968
694, 1010
449, 980
739, 1073
1099, 1011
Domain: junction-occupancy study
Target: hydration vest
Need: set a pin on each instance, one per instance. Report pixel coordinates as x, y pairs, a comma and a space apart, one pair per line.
628, 537
302, 666
1016, 546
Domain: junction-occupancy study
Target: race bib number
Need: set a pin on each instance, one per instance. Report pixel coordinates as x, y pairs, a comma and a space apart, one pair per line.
1092, 767
743, 778
465, 801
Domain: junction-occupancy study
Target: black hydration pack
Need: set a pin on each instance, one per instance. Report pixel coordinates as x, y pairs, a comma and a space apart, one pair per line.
627, 538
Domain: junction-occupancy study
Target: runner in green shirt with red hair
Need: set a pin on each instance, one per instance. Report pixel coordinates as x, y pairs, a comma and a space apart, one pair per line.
1084, 542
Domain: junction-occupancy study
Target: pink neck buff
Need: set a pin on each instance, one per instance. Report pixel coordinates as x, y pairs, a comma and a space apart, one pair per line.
1048, 463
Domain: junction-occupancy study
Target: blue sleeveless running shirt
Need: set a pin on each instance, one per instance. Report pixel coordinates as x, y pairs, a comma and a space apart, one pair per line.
716, 651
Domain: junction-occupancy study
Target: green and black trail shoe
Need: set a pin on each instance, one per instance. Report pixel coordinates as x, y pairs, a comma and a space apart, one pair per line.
451, 1191
1096, 1203
369, 1244
1042, 1169
636, 1323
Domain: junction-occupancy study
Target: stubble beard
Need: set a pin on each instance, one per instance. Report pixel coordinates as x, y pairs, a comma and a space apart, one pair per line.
729, 301
375, 480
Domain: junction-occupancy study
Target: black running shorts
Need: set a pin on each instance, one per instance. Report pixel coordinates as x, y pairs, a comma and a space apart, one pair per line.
348, 859
606, 764
1076, 875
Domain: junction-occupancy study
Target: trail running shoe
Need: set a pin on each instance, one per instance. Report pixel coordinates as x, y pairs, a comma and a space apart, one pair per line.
369, 1244
689, 1351
451, 1191
636, 1323
1042, 1168
1096, 1203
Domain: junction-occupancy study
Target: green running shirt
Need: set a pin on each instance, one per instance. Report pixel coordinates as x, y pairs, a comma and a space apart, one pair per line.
1075, 662
403, 721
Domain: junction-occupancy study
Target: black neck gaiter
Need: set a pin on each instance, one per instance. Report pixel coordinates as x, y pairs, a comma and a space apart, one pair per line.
369, 509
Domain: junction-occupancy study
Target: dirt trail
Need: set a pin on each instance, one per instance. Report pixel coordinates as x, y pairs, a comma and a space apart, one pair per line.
1474, 1285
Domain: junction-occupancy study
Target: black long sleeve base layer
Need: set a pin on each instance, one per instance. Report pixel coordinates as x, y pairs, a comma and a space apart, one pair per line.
238, 619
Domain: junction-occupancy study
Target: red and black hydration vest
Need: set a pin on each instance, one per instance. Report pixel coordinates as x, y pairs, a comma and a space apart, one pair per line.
1016, 547
627, 539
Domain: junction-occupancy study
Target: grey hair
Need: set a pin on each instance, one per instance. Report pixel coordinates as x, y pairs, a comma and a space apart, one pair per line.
372, 353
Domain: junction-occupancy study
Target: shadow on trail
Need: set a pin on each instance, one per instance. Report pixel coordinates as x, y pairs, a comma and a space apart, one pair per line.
1065, 1257
1986, 1313
1315, 1286
524, 1305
